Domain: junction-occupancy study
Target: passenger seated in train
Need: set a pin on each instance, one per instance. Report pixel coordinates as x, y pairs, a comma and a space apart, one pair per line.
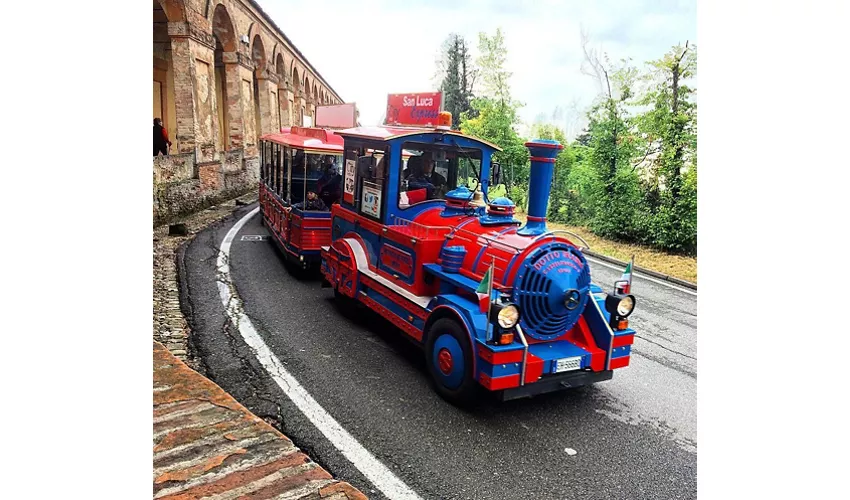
313, 202
329, 185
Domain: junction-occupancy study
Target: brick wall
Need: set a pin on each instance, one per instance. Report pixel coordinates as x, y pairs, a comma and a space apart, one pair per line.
182, 187
215, 121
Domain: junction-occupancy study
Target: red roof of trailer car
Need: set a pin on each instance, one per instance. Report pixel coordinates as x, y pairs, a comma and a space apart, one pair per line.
383, 133
308, 138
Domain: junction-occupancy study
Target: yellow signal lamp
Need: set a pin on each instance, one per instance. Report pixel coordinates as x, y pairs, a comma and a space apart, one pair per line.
444, 120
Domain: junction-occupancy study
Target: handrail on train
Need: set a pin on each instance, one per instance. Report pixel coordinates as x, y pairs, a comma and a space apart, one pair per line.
454, 232
557, 231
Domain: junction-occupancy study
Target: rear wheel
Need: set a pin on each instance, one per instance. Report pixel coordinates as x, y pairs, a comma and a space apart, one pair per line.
449, 359
345, 304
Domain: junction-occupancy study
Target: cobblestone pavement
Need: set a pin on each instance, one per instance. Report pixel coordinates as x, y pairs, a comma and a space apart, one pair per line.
169, 325
207, 445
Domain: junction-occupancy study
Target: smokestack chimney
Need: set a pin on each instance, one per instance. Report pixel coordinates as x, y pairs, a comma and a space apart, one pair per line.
543, 153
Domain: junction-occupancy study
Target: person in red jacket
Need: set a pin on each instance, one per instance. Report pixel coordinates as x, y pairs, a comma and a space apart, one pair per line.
160, 138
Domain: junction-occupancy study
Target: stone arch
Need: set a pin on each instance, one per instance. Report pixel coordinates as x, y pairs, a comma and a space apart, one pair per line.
258, 54
280, 68
224, 34
223, 29
277, 59
164, 101
254, 31
174, 10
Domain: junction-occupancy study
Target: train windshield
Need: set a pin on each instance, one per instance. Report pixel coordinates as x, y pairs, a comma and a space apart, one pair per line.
431, 171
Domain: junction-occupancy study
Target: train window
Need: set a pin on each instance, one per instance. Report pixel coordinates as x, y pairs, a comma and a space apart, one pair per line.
284, 162
307, 171
371, 168
264, 164
434, 170
276, 165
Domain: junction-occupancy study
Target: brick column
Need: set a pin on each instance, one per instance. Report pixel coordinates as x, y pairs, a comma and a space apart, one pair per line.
249, 114
310, 109
264, 85
283, 102
184, 86
192, 52
233, 61
296, 115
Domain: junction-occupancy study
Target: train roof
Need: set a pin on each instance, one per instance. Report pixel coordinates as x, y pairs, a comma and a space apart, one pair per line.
310, 139
386, 133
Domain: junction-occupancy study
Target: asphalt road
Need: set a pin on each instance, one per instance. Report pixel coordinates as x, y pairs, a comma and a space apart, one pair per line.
634, 436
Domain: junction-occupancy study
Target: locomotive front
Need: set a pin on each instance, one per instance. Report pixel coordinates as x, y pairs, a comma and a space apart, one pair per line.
543, 325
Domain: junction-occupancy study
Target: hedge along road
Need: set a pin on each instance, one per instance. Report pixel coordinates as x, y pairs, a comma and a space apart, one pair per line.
356, 396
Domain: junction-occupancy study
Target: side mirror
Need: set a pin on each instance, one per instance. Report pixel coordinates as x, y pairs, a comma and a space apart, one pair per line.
497, 174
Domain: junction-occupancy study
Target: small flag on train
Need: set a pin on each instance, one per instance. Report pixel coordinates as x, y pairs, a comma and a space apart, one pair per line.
483, 291
627, 277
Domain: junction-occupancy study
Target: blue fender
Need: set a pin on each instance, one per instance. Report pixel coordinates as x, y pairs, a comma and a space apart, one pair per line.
466, 313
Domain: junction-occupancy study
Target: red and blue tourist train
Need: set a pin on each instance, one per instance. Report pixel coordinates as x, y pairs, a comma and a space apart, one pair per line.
495, 304
299, 181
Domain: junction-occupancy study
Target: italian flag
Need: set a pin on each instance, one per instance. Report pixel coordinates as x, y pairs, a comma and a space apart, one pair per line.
483, 292
627, 276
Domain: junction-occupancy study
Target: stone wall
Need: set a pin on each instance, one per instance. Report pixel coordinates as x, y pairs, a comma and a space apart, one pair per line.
182, 187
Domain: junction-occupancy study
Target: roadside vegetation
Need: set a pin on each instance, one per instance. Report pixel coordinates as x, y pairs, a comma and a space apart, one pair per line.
628, 182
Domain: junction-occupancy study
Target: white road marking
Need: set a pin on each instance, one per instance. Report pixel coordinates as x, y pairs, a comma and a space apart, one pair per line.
376, 472
641, 276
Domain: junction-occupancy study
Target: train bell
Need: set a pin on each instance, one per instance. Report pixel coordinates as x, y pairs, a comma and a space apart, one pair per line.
478, 198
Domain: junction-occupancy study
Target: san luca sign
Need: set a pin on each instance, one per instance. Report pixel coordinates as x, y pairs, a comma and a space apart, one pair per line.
420, 109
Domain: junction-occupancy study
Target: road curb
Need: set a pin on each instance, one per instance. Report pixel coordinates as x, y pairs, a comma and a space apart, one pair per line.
642, 270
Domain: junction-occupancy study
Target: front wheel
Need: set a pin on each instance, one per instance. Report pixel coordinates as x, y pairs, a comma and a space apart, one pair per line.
449, 359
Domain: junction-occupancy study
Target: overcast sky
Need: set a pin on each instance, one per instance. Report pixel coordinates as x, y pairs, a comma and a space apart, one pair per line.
368, 49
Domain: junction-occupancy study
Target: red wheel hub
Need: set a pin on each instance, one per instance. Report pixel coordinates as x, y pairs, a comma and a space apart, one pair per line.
444, 360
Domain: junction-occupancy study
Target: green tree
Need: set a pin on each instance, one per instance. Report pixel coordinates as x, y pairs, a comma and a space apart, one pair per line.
457, 77
494, 114
614, 187
669, 128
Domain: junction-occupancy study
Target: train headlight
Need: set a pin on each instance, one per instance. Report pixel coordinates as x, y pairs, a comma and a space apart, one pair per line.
620, 305
508, 316
626, 306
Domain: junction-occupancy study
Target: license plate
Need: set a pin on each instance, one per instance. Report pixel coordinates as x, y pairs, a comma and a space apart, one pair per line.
567, 364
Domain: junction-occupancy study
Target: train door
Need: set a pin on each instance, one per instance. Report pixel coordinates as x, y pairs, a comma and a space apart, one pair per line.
363, 194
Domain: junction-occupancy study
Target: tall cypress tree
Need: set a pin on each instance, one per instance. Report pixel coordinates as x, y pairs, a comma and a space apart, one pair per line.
458, 76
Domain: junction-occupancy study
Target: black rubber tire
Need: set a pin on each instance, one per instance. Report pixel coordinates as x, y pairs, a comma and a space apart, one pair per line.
468, 392
346, 305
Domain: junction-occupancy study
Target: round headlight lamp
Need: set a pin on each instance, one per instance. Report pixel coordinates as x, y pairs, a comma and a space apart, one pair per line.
620, 305
626, 306
508, 316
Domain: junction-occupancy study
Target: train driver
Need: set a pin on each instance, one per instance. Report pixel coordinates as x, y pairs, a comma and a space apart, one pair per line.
425, 176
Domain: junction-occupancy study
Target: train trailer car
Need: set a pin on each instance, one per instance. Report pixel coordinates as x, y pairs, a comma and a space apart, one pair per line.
494, 305
299, 181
